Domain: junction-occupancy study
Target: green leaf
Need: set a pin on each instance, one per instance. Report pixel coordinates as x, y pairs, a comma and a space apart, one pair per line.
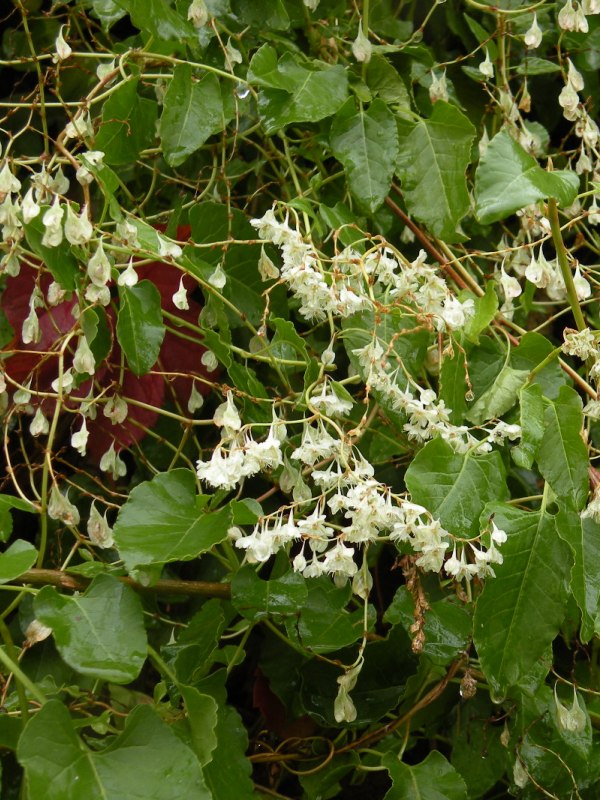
140, 329
160, 522
477, 752
485, 311
447, 625
128, 124
434, 156
16, 560
366, 144
455, 487
500, 397
108, 12
562, 455
159, 19
520, 611
8, 502
532, 350
583, 537
508, 179
532, 425
192, 653
100, 633
385, 83
215, 222
255, 598
201, 712
192, 111
228, 774
294, 91
145, 762
432, 779
453, 385
324, 624
60, 260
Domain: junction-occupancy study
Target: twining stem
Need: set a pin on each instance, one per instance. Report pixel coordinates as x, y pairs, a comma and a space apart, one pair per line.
563, 263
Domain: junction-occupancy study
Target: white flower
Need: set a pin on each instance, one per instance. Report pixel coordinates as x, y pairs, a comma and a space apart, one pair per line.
224, 470
226, 415
78, 228
39, 424
52, 221
29, 208
30, 331
80, 127
311, 4
198, 13
539, 271
180, 300
98, 529
362, 49
533, 35
129, 276
582, 287
458, 567
36, 632
113, 463
62, 49
218, 278
209, 360
487, 67
594, 213
98, 294
572, 719
572, 19
61, 508
498, 535
510, 285
196, 400
79, 438
267, 269
574, 77
83, 360
8, 182
316, 445
116, 410
438, 89
579, 343
330, 403
590, 6
592, 511
98, 268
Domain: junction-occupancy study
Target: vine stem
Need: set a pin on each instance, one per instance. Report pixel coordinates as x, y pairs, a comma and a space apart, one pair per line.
563, 263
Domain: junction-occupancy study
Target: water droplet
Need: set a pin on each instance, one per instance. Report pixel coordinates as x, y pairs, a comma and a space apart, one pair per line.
242, 91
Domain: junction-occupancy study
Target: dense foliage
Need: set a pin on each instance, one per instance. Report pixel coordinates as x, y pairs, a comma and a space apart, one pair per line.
299, 399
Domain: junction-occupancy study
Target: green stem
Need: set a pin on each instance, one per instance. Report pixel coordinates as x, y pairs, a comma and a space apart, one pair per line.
9, 659
563, 263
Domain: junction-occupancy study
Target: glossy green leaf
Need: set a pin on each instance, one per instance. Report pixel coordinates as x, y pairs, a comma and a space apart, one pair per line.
128, 124
201, 712
500, 397
583, 537
254, 597
140, 329
295, 91
532, 425
192, 652
434, 156
228, 774
192, 111
519, 612
324, 624
108, 12
366, 143
99, 633
455, 487
384, 82
432, 779
562, 455
60, 260
160, 522
16, 560
144, 762
447, 625
508, 178
532, 350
